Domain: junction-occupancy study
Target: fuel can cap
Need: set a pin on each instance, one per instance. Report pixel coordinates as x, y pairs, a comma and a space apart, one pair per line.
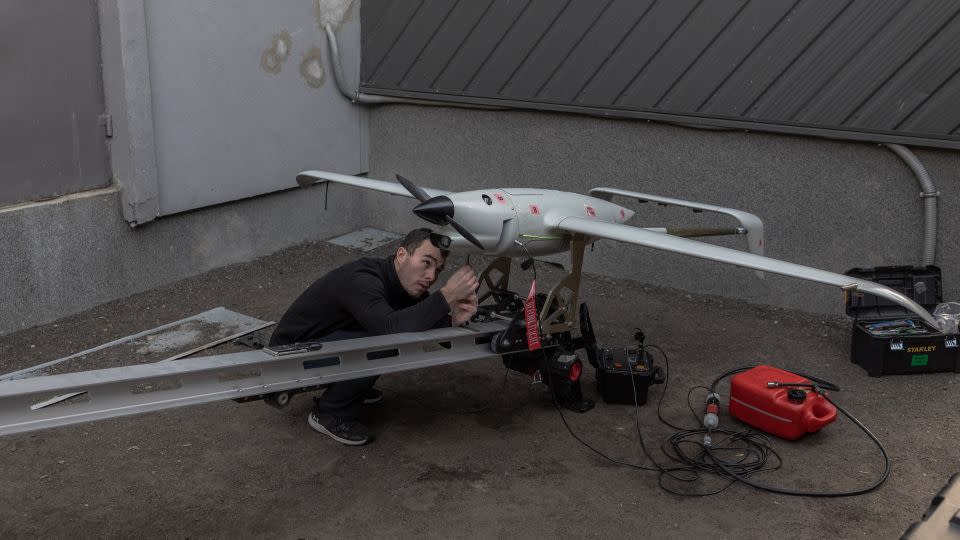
796, 395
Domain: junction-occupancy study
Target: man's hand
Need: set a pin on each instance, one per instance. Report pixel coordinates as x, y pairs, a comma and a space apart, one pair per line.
463, 310
461, 286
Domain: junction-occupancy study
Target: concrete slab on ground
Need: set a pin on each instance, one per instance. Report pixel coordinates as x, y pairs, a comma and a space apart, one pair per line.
365, 239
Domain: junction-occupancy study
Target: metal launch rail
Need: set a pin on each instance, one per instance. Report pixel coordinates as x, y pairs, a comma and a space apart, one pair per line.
58, 400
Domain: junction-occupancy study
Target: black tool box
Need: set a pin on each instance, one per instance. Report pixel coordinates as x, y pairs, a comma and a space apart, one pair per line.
886, 338
618, 367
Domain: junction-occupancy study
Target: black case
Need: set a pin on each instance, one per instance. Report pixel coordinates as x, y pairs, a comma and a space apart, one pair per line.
613, 375
893, 355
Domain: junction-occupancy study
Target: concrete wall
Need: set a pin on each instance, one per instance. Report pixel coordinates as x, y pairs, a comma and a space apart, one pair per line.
828, 204
65, 256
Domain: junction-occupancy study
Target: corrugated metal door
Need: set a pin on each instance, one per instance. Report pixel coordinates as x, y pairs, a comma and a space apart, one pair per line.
882, 70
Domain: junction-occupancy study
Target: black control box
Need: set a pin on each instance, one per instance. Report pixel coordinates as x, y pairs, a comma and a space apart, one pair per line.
619, 368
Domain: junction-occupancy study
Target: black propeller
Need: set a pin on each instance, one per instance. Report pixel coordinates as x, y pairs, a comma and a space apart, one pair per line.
437, 210
414, 189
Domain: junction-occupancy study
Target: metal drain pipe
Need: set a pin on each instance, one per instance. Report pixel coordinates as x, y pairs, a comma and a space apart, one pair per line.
929, 195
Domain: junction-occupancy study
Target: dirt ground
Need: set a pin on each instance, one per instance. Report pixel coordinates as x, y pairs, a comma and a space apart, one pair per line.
438, 467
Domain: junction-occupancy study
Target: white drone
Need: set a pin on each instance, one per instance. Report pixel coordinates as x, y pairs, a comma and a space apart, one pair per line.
527, 222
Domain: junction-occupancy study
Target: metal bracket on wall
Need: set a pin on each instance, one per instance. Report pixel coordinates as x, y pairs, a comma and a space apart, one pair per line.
106, 120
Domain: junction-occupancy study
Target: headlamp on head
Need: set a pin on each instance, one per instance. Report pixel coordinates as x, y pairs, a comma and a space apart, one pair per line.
439, 241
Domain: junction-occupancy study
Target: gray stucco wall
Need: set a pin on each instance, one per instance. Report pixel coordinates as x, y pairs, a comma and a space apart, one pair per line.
829, 204
63, 257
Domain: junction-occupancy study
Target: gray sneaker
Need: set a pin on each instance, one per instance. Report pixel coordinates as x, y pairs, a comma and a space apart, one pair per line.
344, 432
372, 396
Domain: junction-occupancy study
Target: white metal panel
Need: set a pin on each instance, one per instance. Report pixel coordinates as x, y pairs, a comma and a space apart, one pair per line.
229, 125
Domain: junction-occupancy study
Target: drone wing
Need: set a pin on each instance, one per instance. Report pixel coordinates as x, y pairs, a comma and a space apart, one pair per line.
633, 235
308, 178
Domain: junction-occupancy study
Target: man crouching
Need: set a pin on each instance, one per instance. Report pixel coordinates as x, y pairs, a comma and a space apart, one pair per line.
369, 297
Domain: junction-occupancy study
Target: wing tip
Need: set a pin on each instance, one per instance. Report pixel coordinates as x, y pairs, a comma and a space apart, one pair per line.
305, 179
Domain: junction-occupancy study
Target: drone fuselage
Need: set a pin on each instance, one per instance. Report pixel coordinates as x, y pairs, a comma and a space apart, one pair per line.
504, 218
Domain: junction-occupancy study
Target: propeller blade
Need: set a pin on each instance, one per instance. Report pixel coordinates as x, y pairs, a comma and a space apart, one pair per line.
414, 189
464, 232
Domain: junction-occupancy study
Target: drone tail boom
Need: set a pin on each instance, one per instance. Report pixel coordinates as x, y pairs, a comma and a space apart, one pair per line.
750, 222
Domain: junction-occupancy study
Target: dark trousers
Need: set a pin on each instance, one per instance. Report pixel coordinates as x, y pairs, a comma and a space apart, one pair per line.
343, 399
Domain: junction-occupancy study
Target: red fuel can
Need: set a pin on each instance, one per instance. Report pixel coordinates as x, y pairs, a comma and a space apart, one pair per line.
789, 412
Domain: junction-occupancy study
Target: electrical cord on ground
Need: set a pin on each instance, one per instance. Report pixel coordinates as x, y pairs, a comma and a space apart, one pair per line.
673, 472
751, 450
666, 384
754, 449
554, 397
676, 472
577, 438
785, 491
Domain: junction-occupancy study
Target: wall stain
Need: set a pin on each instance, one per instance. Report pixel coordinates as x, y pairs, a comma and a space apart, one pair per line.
311, 68
332, 12
277, 53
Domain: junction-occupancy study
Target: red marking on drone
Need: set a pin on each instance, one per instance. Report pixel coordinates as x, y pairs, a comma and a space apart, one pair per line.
500, 198
590, 211
534, 210
530, 317
623, 214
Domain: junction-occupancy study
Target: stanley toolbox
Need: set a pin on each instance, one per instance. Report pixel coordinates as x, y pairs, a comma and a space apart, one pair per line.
886, 339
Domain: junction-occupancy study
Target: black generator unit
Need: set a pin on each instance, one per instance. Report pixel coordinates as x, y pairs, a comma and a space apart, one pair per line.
618, 368
886, 338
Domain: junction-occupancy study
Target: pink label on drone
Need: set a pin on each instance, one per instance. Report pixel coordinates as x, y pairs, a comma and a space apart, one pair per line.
500, 198
590, 211
623, 215
534, 210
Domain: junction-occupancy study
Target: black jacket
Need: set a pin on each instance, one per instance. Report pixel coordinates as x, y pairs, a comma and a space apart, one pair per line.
364, 295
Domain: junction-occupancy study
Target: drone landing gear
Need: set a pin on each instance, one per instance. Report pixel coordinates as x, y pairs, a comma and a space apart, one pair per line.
555, 312
555, 364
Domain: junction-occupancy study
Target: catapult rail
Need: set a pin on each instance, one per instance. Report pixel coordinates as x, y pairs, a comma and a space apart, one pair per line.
58, 400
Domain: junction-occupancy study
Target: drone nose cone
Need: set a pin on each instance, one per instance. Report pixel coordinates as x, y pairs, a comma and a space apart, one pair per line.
435, 210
